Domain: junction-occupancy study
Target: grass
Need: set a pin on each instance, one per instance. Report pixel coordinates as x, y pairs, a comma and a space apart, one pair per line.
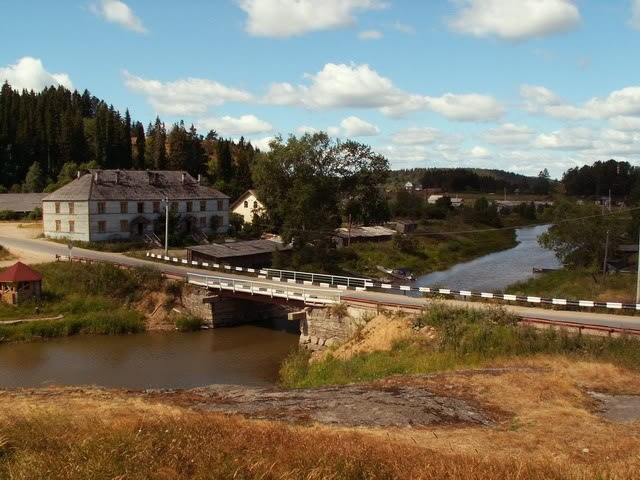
465, 338
579, 284
432, 253
93, 298
188, 324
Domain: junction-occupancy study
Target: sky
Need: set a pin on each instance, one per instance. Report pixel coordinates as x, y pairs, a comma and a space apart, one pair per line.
518, 85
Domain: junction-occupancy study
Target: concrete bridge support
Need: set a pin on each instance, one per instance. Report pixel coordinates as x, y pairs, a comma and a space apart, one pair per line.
323, 327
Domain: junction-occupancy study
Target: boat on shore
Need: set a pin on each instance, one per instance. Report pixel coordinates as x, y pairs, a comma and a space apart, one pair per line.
399, 273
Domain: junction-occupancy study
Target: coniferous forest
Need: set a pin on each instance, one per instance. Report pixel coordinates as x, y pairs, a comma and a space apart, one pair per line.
46, 137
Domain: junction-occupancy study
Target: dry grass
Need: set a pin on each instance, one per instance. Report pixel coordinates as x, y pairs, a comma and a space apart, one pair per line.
78, 433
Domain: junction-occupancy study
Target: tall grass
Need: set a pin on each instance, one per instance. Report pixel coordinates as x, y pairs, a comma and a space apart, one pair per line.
93, 298
100, 323
465, 338
578, 284
188, 324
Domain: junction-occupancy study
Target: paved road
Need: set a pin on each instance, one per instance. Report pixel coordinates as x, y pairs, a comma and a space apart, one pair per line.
52, 249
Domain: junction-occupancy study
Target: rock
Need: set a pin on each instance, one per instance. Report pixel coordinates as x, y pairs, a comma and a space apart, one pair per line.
305, 339
585, 450
313, 340
330, 342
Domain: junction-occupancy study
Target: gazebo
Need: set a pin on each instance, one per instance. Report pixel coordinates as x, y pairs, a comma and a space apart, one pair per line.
19, 282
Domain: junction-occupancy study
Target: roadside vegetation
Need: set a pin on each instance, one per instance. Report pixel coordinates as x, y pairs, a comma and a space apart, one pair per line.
464, 338
91, 298
579, 284
4, 253
423, 253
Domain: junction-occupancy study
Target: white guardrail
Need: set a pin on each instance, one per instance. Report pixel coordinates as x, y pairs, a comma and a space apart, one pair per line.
311, 296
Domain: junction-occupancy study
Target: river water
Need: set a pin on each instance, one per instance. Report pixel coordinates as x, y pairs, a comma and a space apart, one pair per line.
496, 271
243, 355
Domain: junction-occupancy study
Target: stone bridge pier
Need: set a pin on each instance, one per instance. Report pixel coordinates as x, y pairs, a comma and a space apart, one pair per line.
225, 309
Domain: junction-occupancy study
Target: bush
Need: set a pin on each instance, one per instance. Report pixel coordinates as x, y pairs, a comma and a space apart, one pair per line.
188, 324
8, 215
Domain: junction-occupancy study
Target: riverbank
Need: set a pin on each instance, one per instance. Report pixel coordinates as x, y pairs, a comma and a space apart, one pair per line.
526, 420
447, 338
433, 248
92, 299
579, 284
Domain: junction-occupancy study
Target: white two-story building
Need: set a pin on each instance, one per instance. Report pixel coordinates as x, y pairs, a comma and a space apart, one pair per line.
105, 205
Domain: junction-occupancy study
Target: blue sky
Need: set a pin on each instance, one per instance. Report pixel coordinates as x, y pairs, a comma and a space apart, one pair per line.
512, 84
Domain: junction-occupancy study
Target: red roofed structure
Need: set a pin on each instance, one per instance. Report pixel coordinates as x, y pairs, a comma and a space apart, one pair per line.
19, 282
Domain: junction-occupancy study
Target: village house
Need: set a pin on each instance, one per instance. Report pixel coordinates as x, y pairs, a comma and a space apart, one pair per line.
19, 283
103, 205
247, 205
345, 236
455, 201
249, 253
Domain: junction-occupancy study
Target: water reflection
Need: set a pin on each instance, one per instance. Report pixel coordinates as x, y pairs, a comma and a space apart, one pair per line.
496, 271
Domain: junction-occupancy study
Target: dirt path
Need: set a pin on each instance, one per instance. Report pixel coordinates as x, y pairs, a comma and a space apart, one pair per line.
23, 230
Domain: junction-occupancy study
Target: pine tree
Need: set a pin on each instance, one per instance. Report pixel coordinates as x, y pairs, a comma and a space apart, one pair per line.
126, 146
159, 153
139, 157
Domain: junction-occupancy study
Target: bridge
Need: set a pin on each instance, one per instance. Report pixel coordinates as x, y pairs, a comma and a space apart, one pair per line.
301, 289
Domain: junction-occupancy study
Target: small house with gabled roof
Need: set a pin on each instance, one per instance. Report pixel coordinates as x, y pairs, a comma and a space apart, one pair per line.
102, 205
19, 282
247, 205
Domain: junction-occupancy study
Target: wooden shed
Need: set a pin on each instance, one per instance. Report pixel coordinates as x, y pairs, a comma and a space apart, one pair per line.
19, 282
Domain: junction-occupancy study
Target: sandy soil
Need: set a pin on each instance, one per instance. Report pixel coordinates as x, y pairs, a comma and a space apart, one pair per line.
23, 230
380, 333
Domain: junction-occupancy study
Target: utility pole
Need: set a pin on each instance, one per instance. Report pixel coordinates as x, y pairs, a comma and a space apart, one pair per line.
166, 227
606, 254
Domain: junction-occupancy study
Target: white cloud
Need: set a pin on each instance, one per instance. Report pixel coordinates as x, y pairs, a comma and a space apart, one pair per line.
116, 11
286, 18
574, 138
359, 86
356, 127
479, 152
302, 129
30, 74
508, 134
244, 125
401, 27
190, 96
370, 35
334, 131
625, 123
514, 20
634, 22
625, 101
416, 136
262, 143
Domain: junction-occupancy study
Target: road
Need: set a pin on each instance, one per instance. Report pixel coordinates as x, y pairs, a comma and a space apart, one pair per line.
49, 250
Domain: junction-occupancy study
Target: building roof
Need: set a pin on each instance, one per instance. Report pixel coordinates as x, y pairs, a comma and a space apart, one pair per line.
240, 249
19, 272
242, 197
21, 202
361, 232
134, 185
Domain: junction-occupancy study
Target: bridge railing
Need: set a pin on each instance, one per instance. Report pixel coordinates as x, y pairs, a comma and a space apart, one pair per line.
270, 289
320, 278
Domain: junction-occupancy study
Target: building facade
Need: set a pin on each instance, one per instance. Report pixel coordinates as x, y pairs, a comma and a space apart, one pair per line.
103, 205
247, 205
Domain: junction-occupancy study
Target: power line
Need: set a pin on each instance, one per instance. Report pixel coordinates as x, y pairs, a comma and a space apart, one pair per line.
479, 230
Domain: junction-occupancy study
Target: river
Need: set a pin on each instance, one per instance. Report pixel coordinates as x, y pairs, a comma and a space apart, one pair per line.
496, 271
243, 355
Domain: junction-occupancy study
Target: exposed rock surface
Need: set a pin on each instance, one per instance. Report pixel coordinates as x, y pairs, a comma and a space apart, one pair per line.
349, 406
618, 408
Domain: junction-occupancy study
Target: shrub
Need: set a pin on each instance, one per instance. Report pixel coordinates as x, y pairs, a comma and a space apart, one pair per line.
9, 215
188, 324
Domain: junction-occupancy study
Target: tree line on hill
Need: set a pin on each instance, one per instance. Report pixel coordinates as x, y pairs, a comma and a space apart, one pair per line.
459, 180
45, 137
